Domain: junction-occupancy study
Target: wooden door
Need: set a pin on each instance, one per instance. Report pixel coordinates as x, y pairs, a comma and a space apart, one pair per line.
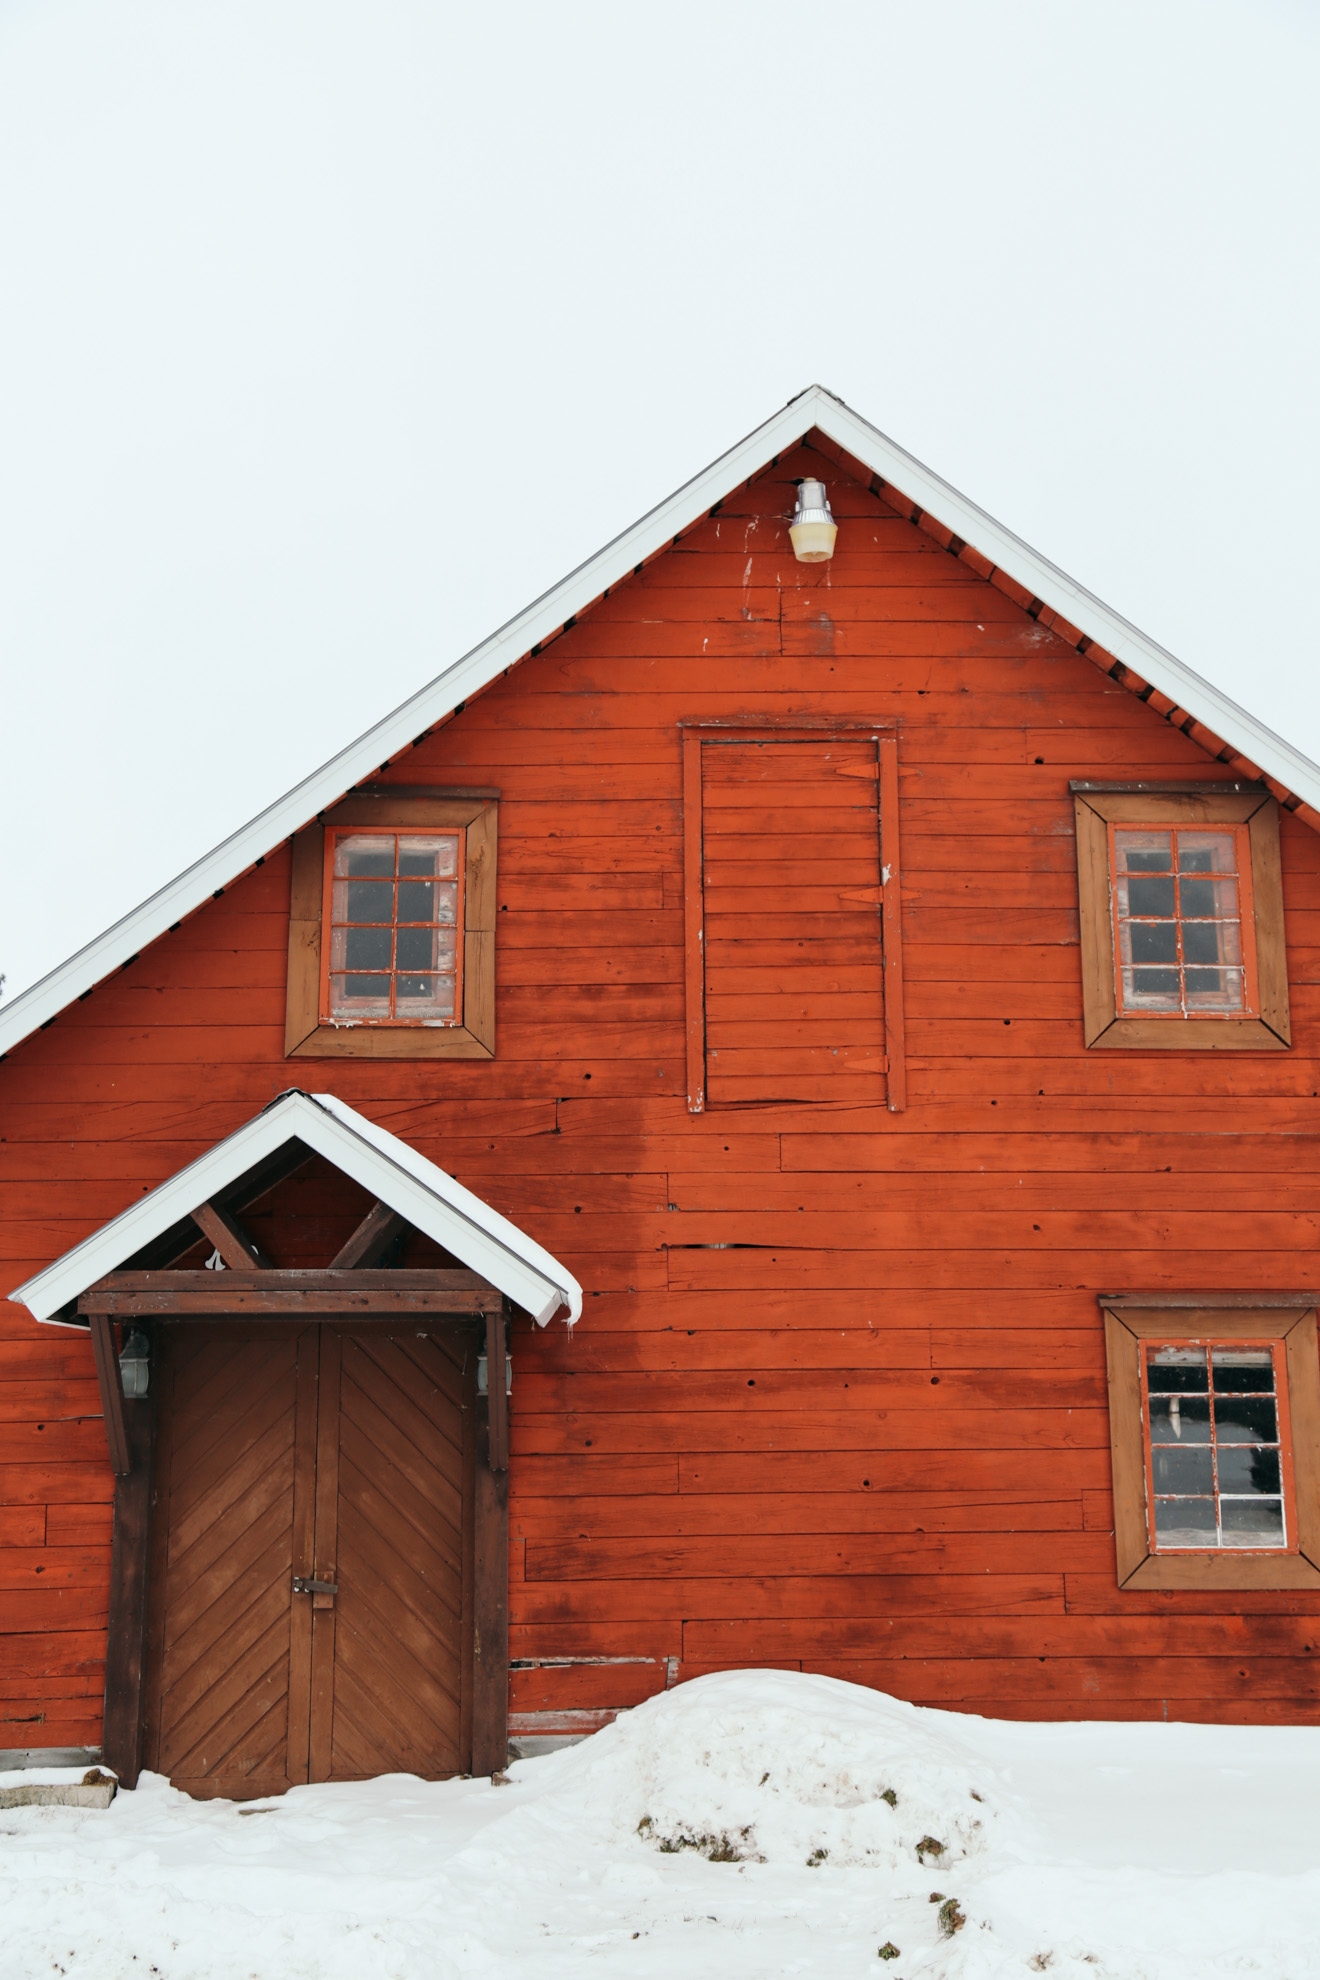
327, 1455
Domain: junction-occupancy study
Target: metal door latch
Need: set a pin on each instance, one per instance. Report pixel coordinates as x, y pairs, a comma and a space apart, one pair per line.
304, 1585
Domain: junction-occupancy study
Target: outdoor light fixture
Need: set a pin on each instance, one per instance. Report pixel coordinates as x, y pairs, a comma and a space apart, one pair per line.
813, 529
135, 1364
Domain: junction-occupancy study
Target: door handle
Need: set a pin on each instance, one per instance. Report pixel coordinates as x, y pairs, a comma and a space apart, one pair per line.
305, 1585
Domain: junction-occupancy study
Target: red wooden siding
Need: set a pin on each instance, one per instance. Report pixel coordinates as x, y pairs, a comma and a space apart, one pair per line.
838, 1398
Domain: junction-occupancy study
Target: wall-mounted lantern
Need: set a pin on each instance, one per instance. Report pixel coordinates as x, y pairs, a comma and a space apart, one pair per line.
135, 1364
813, 529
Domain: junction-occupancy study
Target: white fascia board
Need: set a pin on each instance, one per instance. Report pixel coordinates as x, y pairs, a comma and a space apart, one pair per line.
1101, 624
398, 1175
546, 615
485, 1241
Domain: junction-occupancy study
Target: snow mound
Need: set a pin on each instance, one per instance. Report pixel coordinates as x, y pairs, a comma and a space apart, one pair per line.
782, 1768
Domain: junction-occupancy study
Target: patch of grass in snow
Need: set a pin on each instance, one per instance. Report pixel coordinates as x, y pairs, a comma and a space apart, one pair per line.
716, 1846
952, 1918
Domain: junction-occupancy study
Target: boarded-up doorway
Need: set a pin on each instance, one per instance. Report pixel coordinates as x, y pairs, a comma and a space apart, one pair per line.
310, 1453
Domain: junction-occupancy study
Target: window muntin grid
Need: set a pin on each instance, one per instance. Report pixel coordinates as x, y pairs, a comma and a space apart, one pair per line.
393, 915
1218, 1460
1184, 933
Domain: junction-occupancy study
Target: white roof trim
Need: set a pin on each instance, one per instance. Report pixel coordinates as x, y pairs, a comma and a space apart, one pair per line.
389, 1168
815, 407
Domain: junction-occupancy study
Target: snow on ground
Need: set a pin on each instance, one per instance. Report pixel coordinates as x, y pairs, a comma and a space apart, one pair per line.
746, 1826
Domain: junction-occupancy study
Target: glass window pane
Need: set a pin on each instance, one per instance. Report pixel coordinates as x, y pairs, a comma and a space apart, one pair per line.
416, 900
1208, 900
360, 996
1180, 1419
1214, 989
1207, 852
363, 900
1144, 852
1243, 1371
1252, 1522
1152, 941
415, 949
1186, 1523
1246, 1420
1148, 897
1247, 1469
1177, 1469
360, 948
1151, 989
364, 854
1177, 1370
430, 853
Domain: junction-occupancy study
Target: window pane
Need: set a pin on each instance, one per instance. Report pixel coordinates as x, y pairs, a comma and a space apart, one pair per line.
1186, 1523
365, 854
1214, 989
1243, 1371
360, 948
1246, 1469
1149, 898
1213, 942
363, 900
1176, 1370
1208, 900
430, 853
1252, 1522
415, 949
1246, 1420
1144, 852
1153, 941
1182, 1470
426, 996
1151, 989
416, 900
1180, 1419
360, 996
1207, 852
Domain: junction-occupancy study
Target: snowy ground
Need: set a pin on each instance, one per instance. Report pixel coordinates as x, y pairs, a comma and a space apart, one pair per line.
1151, 1852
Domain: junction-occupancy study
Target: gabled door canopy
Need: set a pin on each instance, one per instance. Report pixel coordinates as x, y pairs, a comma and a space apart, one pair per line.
397, 1176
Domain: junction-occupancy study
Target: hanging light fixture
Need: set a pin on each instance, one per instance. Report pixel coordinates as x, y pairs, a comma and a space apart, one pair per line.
813, 529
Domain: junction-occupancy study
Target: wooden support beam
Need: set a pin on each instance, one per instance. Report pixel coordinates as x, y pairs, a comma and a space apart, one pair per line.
111, 1386
497, 1392
490, 1605
237, 1249
370, 1240
126, 1638
291, 1295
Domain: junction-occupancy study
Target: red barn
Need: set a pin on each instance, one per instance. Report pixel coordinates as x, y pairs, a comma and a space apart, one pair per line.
877, 990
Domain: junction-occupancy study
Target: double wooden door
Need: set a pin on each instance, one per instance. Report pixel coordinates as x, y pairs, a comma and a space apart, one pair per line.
310, 1453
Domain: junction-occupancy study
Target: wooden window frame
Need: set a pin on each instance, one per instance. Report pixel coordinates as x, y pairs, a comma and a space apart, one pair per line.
1274, 1319
334, 832
887, 898
1098, 808
476, 814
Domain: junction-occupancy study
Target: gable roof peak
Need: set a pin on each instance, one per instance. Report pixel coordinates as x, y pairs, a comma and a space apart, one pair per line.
1176, 690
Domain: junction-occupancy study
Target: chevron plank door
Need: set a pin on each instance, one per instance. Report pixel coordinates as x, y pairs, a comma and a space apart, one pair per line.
393, 1492
335, 1456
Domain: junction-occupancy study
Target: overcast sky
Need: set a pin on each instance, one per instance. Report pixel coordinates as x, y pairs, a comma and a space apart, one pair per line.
332, 333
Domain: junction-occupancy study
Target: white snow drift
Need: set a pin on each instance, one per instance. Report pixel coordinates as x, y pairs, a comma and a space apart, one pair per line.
747, 1826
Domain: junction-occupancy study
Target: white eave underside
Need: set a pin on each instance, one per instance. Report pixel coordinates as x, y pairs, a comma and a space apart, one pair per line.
392, 1171
815, 407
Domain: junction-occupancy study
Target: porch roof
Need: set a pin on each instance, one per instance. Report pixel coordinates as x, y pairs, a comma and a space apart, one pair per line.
396, 1174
